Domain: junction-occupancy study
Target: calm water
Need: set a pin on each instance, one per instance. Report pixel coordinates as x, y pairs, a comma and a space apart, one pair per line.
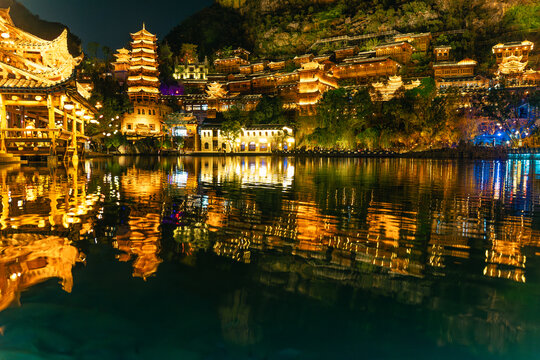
271, 258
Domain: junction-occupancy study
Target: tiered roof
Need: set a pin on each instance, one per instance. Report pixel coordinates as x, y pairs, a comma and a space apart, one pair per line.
143, 69
27, 61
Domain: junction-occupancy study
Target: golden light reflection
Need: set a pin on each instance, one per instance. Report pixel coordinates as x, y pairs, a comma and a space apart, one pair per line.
42, 213
28, 259
141, 238
388, 234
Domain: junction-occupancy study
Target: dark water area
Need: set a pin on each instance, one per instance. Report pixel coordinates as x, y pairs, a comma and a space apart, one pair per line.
271, 258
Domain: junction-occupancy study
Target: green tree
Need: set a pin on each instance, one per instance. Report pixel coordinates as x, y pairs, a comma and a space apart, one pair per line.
341, 115
269, 111
189, 53
501, 106
231, 128
166, 62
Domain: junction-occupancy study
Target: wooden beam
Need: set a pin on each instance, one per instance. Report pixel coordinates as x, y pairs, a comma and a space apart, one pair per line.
28, 103
3, 124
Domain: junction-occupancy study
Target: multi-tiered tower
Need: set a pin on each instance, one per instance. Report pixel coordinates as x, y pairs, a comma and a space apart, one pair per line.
146, 119
143, 82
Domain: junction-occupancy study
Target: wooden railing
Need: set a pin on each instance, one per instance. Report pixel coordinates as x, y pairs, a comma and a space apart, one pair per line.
29, 134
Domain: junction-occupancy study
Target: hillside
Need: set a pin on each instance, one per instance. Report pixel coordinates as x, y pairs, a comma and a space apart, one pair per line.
277, 28
31, 23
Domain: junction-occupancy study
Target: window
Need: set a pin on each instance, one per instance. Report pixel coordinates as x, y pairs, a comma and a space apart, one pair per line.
143, 112
154, 111
139, 111
129, 126
206, 146
152, 127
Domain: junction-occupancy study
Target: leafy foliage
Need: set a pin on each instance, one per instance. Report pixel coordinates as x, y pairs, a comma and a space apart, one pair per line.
412, 119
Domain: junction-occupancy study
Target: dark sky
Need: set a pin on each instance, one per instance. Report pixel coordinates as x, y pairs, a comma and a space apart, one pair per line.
109, 22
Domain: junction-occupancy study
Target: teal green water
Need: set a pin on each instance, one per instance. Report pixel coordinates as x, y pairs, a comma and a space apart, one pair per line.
271, 258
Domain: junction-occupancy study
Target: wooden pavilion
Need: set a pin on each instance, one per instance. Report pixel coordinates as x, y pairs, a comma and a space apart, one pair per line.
43, 110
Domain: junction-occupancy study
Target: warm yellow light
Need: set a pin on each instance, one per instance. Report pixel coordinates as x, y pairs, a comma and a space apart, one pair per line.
5, 35
79, 112
38, 98
69, 106
15, 98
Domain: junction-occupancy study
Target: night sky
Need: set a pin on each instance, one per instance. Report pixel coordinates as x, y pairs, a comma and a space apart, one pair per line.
109, 22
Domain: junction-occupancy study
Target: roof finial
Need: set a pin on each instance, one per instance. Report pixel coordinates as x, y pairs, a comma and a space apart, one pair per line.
143, 26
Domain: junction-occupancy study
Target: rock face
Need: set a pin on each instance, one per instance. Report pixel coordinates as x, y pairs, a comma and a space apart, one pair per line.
264, 6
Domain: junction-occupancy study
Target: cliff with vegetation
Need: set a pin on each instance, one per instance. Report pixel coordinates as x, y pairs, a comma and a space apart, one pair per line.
276, 28
31, 23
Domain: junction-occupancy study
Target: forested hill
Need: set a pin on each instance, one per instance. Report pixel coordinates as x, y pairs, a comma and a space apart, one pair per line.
31, 23
276, 28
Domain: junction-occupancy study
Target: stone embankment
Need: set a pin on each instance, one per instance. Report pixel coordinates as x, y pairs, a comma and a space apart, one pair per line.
464, 153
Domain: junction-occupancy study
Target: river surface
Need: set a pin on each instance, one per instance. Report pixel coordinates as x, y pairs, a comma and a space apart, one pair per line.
271, 258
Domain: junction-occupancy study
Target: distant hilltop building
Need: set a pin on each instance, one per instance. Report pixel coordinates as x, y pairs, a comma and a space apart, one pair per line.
512, 57
387, 91
146, 117
121, 65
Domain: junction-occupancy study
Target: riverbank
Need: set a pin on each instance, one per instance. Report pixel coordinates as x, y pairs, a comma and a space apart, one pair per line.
448, 153
465, 153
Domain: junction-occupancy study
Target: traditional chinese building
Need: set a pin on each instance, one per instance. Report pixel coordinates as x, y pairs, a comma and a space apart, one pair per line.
193, 75
344, 53
146, 117
442, 53
386, 91
512, 58
314, 81
43, 110
277, 65
360, 68
121, 65
458, 74
399, 51
230, 63
420, 41
449, 69
302, 59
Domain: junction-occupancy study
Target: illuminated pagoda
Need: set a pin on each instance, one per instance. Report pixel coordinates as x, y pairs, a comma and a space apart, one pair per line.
43, 110
146, 117
314, 81
121, 65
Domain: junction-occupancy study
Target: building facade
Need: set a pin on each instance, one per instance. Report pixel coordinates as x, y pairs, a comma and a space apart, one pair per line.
512, 58
252, 139
399, 51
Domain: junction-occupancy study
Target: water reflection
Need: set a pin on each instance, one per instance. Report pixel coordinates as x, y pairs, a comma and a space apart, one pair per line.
458, 240
43, 213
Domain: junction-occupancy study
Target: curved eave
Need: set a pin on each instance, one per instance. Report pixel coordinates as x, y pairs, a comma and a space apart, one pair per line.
68, 86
